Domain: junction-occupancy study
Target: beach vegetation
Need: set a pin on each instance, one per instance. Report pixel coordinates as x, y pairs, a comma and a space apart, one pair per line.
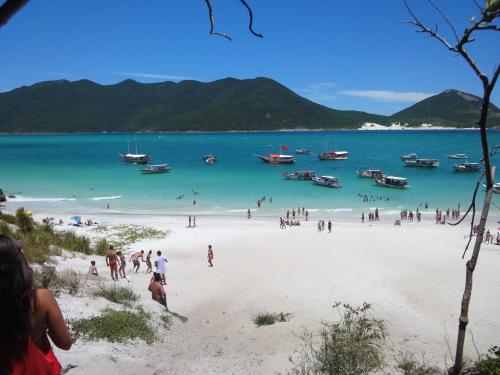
266, 318
116, 326
117, 294
8, 218
124, 235
5, 229
406, 364
486, 365
24, 221
354, 344
67, 281
167, 321
101, 247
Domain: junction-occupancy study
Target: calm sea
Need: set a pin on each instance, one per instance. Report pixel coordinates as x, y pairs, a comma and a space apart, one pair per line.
83, 173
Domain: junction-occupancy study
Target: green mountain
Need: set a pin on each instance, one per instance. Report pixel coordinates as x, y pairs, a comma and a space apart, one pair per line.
226, 104
449, 108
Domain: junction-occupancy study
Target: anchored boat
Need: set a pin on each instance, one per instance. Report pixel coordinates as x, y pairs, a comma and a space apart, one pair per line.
467, 167
299, 175
411, 156
134, 158
369, 173
422, 163
457, 156
333, 155
392, 182
327, 181
156, 168
302, 151
209, 157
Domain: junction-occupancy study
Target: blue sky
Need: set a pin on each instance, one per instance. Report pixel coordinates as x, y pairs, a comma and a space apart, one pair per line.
342, 54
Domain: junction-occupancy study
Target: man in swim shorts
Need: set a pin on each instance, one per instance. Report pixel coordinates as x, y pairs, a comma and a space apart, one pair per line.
111, 262
135, 259
123, 263
157, 291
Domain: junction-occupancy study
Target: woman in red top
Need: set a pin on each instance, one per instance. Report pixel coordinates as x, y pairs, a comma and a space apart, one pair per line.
27, 317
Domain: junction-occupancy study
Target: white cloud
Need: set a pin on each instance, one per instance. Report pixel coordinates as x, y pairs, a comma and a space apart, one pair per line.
388, 96
322, 85
322, 97
152, 75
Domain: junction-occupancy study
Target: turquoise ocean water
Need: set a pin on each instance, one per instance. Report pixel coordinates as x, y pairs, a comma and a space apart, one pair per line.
83, 173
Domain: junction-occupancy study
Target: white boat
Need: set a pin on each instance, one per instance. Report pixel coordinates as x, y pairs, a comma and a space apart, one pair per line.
156, 168
299, 175
467, 167
210, 156
210, 161
457, 156
277, 158
369, 173
134, 158
422, 163
333, 155
327, 181
411, 156
302, 151
496, 187
392, 182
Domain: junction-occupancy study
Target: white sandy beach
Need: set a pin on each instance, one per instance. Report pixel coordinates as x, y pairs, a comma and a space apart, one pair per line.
413, 275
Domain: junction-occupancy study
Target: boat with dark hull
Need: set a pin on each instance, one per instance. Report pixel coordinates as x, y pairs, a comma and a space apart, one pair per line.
333, 155
327, 181
422, 163
467, 167
370, 173
156, 168
277, 158
299, 175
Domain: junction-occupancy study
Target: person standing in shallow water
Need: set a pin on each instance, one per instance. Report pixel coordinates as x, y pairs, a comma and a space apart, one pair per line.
210, 256
32, 316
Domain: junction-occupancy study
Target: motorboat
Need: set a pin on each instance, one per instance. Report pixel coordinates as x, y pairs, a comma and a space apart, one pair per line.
156, 168
299, 175
392, 182
134, 158
277, 158
333, 155
369, 173
302, 151
210, 156
422, 163
457, 156
210, 161
327, 181
467, 167
411, 156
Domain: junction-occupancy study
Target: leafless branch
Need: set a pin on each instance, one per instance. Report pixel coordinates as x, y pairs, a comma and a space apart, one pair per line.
441, 13
477, 4
9, 8
211, 18
250, 16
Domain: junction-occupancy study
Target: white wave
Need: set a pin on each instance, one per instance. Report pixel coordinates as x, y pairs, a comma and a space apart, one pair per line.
391, 212
339, 210
252, 209
106, 198
20, 198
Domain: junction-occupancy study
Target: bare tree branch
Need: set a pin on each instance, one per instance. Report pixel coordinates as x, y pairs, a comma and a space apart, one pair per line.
9, 8
211, 18
445, 18
250, 16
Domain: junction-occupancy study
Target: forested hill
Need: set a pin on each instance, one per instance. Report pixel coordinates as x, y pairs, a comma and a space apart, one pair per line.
226, 104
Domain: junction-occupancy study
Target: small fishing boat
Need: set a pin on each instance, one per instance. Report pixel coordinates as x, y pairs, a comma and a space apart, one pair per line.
156, 168
369, 172
302, 151
411, 156
392, 182
457, 156
277, 158
422, 163
327, 181
210, 156
333, 155
210, 161
299, 175
135, 158
467, 167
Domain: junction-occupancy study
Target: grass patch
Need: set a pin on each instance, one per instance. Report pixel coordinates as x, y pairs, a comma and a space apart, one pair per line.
116, 326
406, 364
123, 235
120, 294
267, 319
11, 219
167, 321
68, 281
486, 365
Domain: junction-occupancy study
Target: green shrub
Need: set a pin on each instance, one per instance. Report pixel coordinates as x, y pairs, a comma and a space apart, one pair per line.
117, 294
101, 247
167, 321
5, 229
73, 242
11, 219
35, 254
488, 365
116, 326
23, 221
353, 345
406, 364
264, 319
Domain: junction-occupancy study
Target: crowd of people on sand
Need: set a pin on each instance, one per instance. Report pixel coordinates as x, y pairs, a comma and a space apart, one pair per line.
191, 221
292, 217
443, 216
321, 225
372, 216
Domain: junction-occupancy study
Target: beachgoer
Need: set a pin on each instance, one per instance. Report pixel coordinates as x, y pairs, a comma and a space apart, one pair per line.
111, 262
29, 317
194, 202
194, 221
135, 260
108, 206
249, 215
123, 263
329, 226
362, 217
189, 221
160, 266
210, 256
270, 199
148, 262
319, 226
157, 291
307, 214
93, 269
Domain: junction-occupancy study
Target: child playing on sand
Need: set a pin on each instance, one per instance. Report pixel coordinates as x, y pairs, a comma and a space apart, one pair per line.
210, 256
123, 263
93, 269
